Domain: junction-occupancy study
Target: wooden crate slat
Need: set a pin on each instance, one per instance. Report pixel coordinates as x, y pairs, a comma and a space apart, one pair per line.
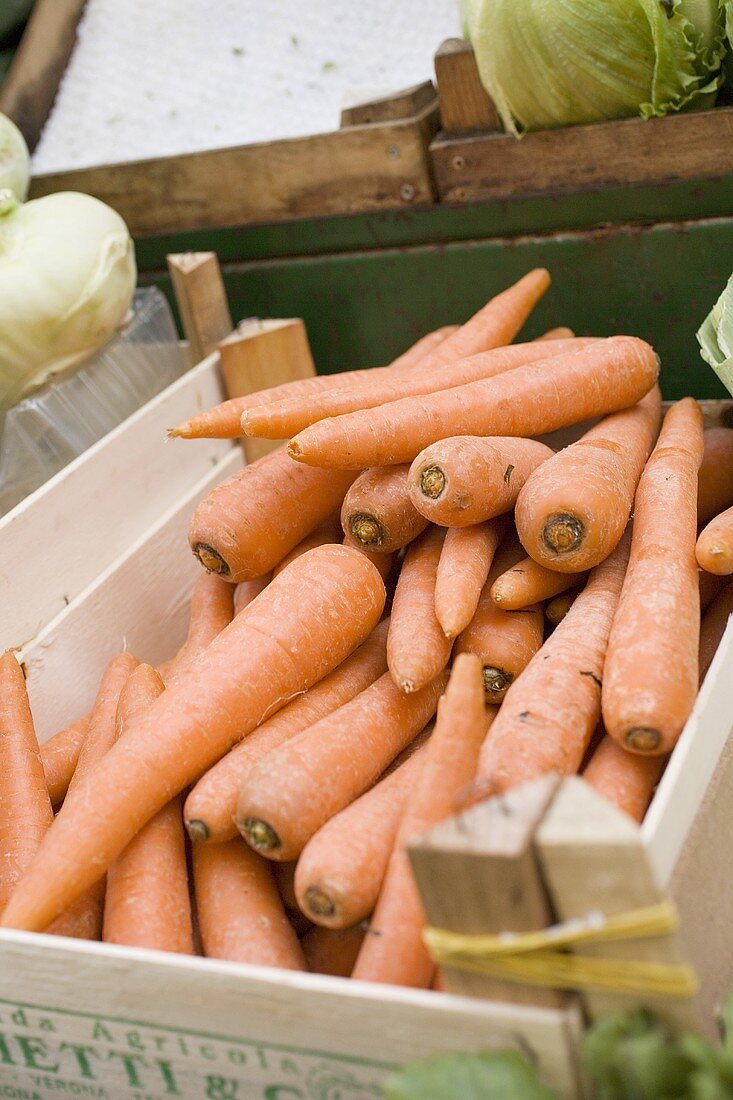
201, 300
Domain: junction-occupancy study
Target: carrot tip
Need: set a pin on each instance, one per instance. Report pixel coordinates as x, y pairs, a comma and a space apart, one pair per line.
643, 740
175, 433
432, 482
197, 830
319, 903
563, 533
211, 560
259, 835
366, 530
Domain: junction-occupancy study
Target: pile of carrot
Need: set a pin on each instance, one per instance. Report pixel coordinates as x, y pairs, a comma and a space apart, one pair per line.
414, 604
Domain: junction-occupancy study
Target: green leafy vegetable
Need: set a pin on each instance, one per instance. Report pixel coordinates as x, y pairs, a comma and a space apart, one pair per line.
549, 63
715, 337
504, 1076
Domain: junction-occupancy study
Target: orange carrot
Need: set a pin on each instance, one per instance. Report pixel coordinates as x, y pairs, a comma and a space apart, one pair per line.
464, 565
548, 716
557, 609
211, 611
326, 532
59, 756
211, 805
710, 588
299, 629
714, 548
341, 869
553, 393
715, 481
293, 791
394, 951
83, 918
575, 507
417, 648
559, 333
528, 583
651, 675
246, 591
624, 778
465, 480
225, 421
713, 627
25, 807
377, 513
250, 522
240, 914
147, 901
330, 951
382, 562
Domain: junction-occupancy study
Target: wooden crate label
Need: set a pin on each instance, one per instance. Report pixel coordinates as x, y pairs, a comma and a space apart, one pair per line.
48, 1051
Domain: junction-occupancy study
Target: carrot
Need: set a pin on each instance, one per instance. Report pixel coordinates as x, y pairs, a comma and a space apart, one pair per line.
651, 676
83, 917
295, 789
225, 421
464, 565
548, 716
246, 525
624, 778
559, 333
341, 869
59, 756
240, 914
713, 627
528, 583
212, 608
246, 591
334, 952
300, 628
714, 548
710, 588
281, 419
417, 648
211, 805
394, 951
574, 509
25, 807
553, 393
147, 901
382, 562
465, 480
715, 480
377, 513
557, 609
326, 532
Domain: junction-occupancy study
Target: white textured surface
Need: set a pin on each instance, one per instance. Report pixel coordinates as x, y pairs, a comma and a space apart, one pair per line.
150, 78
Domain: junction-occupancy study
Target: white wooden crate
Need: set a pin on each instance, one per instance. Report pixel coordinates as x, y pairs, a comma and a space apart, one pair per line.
102, 1021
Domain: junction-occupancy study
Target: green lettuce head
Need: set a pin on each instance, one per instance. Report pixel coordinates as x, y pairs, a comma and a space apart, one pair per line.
549, 63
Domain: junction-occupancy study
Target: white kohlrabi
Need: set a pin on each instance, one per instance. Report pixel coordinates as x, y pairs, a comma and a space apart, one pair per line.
67, 276
716, 337
15, 164
549, 63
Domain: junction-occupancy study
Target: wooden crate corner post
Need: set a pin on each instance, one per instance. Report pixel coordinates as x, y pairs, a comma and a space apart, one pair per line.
465, 105
202, 301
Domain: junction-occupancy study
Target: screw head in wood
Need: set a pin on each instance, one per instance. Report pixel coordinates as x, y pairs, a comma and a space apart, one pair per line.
459, 162
407, 192
393, 152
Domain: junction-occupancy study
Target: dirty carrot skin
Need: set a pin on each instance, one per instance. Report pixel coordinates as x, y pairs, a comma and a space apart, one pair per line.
624, 778
210, 807
528, 583
83, 918
548, 717
467, 479
293, 791
147, 900
651, 676
26, 813
714, 548
573, 510
557, 609
232, 532
713, 627
378, 514
715, 480
225, 421
59, 756
331, 951
241, 917
305, 623
326, 532
417, 648
464, 565
341, 869
394, 951
541, 397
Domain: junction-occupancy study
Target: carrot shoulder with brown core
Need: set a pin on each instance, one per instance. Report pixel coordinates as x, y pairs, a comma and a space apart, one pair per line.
378, 513
651, 676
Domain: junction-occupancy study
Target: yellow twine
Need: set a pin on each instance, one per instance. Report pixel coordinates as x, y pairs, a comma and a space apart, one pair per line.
534, 958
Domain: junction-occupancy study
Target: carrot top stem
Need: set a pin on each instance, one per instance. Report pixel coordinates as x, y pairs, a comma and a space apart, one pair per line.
432, 482
211, 560
643, 739
496, 679
261, 836
366, 530
563, 533
319, 903
197, 830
